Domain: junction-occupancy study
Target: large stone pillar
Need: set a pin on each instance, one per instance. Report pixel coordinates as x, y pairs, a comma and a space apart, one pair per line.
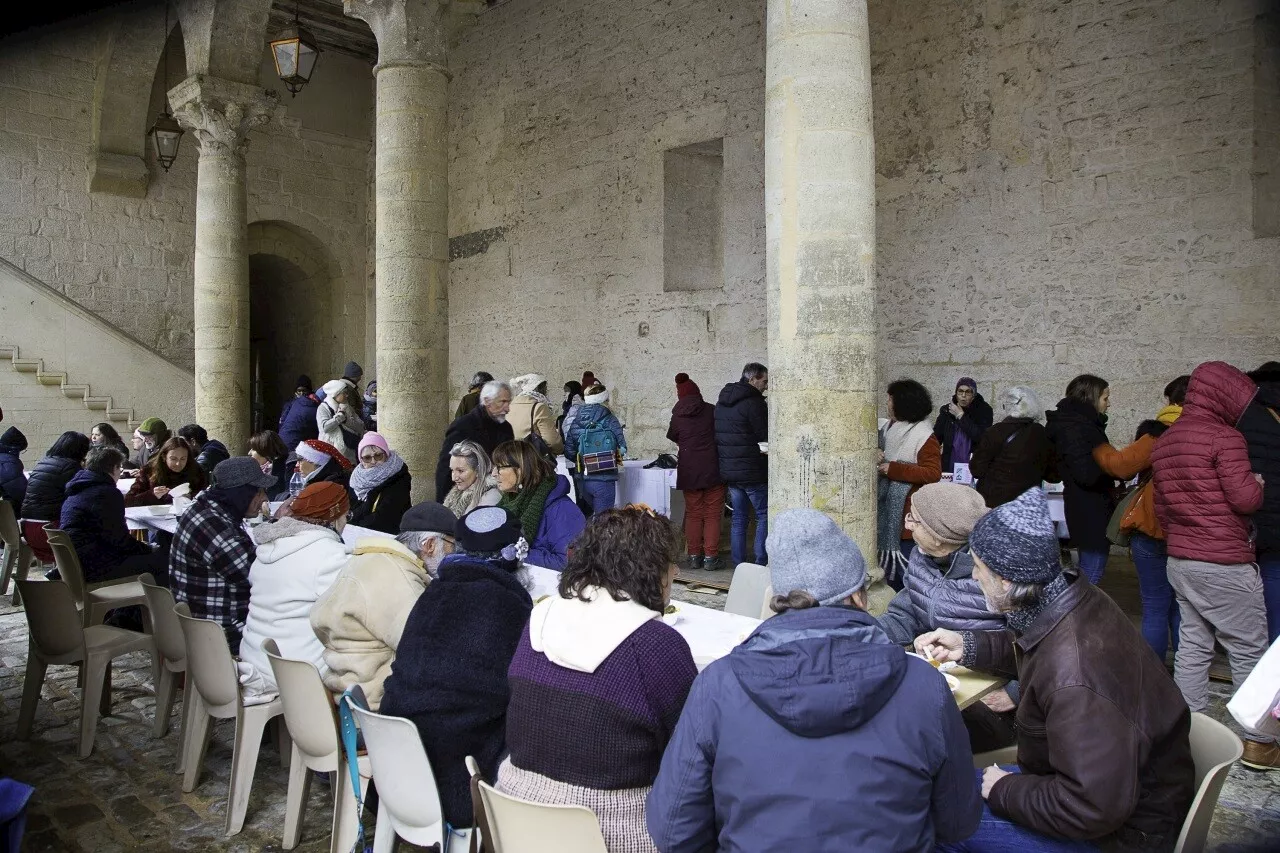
411, 174
820, 234
221, 113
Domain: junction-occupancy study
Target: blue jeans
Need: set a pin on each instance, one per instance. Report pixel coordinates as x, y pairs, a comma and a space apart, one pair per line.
1092, 564
1270, 569
1160, 614
757, 498
1000, 835
600, 495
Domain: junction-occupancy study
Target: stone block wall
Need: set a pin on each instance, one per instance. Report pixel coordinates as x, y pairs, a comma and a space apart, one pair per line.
130, 260
560, 114
1062, 188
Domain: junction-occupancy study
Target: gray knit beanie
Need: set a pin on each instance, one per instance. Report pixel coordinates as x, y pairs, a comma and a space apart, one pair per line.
949, 510
808, 551
1018, 540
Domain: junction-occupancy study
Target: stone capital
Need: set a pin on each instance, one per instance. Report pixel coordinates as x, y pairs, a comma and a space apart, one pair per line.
221, 112
408, 31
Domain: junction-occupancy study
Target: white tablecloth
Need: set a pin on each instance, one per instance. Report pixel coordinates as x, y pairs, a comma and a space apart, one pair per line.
637, 484
711, 634
151, 518
124, 484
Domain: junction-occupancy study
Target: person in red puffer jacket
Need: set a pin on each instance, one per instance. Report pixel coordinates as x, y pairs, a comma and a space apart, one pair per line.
1205, 494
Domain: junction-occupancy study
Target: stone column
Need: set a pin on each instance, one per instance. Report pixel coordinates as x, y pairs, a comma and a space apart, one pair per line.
220, 113
411, 188
820, 235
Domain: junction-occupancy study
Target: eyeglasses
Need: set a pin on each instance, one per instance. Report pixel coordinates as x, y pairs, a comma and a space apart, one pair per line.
506, 467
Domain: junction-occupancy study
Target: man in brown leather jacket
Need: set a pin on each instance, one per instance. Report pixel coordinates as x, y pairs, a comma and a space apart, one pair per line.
1104, 756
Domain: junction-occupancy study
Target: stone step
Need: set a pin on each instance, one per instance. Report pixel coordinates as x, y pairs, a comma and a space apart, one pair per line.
98, 404
75, 392
46, 378
27, 365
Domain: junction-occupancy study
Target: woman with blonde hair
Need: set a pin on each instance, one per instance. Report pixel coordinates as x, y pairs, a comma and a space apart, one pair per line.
472, 475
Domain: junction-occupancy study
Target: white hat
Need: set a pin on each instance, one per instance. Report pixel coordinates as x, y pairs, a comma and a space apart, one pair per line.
528, 383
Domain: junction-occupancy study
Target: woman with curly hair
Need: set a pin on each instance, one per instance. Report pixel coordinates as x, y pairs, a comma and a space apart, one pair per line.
598, 680
173, 465
910, 457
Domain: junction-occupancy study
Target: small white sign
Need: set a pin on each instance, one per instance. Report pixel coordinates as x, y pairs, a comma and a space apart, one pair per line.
962, 474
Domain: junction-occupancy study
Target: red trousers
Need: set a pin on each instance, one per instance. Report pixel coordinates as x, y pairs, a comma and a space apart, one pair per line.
703, 509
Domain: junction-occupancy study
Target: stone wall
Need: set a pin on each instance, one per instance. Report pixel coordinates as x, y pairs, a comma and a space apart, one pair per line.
1061, 188
560, 115
130, 260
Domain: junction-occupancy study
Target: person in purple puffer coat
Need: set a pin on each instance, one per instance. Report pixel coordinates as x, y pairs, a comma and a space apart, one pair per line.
693, 429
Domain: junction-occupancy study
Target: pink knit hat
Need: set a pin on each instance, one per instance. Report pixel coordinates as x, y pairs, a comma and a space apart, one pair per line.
375, 440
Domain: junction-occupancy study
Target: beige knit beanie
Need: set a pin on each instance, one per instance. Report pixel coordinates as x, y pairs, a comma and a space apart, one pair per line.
949, 511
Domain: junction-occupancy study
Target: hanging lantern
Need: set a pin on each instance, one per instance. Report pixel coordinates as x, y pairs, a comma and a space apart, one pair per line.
166, 133
295, 52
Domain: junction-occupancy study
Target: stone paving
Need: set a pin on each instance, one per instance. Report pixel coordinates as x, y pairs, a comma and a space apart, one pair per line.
126, 797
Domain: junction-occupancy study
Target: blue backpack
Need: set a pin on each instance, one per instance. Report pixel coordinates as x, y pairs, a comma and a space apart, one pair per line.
597, 450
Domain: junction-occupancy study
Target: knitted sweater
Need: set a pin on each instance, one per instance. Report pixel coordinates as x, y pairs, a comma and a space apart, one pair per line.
596, 690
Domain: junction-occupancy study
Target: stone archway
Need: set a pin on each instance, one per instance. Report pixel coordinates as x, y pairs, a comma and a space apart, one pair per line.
292, 324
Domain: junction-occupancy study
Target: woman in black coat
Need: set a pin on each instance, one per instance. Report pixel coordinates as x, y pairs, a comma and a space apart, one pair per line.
1075, 429
961, 423
381, 483
13, 482
93, 518
1015, 454
47, 488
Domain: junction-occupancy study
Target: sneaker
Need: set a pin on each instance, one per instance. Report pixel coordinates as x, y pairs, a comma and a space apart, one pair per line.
712, 564
1261, 756
694, 561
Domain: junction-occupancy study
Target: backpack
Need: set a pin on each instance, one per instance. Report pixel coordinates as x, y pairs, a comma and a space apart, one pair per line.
597, 450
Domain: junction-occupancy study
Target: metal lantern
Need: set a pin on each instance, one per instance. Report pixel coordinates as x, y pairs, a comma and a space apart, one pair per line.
166, 133
295, 52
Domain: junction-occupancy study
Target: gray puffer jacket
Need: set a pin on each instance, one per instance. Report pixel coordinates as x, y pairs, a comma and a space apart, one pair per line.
940, 592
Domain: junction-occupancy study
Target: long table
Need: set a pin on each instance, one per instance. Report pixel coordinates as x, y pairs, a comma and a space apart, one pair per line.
711, 634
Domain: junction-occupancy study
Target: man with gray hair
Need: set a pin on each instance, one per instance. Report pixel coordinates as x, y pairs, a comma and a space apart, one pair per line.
360, 618
1015, 454
486, 425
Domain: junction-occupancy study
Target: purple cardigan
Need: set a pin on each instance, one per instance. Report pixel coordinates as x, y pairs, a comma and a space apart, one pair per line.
561, 523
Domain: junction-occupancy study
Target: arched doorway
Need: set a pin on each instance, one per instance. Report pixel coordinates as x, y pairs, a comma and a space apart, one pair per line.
290, 322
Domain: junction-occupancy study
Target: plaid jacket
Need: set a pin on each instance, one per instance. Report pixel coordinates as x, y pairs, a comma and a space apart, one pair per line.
209, 565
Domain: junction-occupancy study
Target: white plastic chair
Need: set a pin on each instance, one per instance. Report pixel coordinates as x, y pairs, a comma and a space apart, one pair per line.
520, 826
95, 599
408, 799
1214, 748
58, 637
217, 697
313, 728
171, 656
747, 590
17, 555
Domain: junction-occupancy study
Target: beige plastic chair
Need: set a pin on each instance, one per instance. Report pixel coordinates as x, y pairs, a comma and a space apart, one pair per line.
313, 728
480, 832
58, 637
1214, 748
408, 799
747, 590
17, 555
1005, 755
171, 648
95, 599
519, 826
217, 697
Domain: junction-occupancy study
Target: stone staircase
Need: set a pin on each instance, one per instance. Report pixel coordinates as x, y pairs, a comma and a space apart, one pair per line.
53, 378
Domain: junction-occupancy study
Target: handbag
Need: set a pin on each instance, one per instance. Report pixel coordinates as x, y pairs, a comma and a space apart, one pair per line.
1117, 534
1255, 703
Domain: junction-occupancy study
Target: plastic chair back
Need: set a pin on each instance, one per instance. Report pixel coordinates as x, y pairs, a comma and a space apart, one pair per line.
164, 621
519, 826
308, 707
209, 663
33, 532
68, 562
406, 784
747, 589
1214, 748
52, 618
9, 533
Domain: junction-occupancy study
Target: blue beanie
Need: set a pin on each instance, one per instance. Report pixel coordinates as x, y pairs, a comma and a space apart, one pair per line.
1018, 540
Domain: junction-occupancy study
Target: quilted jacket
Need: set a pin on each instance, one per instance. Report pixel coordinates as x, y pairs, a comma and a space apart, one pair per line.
1205, 489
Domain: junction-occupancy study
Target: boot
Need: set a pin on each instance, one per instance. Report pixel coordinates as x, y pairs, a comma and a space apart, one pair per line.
1261, 756
712, 564
694, 561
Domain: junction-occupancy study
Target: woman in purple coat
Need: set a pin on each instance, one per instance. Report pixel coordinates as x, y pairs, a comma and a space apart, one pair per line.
693, 429
539, 497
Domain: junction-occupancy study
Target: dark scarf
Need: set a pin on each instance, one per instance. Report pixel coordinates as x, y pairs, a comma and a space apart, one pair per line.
235, 499
1020, 621
528, 506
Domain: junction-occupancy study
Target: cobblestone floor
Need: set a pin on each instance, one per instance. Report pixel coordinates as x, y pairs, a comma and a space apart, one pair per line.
126, 797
